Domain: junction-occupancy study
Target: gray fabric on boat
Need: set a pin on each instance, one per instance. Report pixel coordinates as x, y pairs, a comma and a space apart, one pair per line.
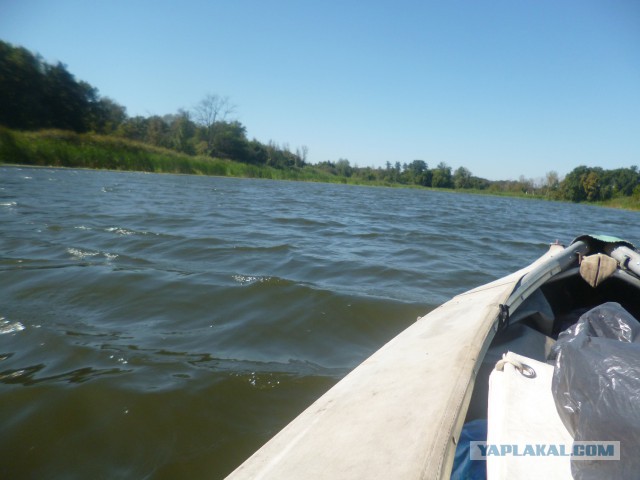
518, 338
537, 309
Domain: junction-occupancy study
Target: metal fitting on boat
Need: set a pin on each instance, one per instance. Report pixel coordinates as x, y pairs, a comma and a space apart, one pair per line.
524, 369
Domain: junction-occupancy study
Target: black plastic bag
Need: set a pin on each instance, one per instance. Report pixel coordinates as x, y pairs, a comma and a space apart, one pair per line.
596, 387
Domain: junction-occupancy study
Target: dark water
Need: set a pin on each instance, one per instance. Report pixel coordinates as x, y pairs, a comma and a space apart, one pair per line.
159, 326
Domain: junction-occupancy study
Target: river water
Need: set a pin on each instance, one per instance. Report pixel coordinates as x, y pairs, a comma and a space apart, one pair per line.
161, 326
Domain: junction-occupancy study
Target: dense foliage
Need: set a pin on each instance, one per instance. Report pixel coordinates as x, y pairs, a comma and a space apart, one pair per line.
35, 95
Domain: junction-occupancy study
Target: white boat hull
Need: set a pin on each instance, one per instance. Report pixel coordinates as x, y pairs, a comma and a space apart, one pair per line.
398, 414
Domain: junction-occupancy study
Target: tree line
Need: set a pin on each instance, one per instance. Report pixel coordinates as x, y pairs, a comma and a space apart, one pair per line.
36, 95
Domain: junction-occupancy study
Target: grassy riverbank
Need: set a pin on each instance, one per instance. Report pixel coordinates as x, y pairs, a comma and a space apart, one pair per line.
59, 148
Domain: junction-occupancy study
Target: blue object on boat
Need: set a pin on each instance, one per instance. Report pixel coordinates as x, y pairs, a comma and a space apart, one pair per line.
463, 467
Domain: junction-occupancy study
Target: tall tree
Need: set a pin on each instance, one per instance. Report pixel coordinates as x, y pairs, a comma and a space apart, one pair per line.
210, 110
552, 180
582, 183
301, 154
343, 167
462, 178
621, 181
230, 141
442, 176
182, 132
21, 83
418, 173
69, 103
34, 94
107, 116
157, 132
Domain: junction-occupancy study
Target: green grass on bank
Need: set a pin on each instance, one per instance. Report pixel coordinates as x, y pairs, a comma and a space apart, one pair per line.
58, 148
61, 148
624, 203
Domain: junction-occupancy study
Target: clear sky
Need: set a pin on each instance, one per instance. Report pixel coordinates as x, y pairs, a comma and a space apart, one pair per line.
502, 87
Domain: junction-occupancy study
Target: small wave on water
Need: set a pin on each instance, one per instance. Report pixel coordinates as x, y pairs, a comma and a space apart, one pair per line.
308, 223
123, 231
249, 279
28, 376
120, 231
10, 327
261, 248
79, 254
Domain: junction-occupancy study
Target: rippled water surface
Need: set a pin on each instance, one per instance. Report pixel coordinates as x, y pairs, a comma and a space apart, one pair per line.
160, 326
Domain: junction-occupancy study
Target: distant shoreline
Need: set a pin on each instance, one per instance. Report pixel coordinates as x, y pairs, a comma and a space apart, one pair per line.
430, 189
64, 149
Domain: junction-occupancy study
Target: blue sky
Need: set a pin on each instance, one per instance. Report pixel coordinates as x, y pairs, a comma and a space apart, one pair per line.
502, 87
